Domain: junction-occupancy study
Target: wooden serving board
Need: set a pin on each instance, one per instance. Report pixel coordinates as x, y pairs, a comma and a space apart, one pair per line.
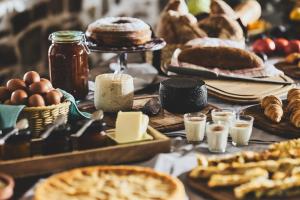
291, 70
116, 154
246, 92
163, 122
201, 187
283, 129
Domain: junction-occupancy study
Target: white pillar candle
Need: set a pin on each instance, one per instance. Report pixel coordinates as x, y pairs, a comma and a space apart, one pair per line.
114, 92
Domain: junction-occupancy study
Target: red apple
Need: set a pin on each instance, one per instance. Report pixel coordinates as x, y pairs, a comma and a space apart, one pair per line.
292, 47
265, 45
280, 44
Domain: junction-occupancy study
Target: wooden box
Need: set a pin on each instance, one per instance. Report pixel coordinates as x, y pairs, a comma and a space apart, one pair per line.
117, 154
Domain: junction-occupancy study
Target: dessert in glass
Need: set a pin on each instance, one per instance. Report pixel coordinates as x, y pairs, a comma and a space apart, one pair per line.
217, 136
225, 115
241, 129
194, 124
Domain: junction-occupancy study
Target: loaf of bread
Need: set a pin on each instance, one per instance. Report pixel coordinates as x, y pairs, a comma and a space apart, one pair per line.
222, 26
249, 11
220, 57
176, 25
220, 7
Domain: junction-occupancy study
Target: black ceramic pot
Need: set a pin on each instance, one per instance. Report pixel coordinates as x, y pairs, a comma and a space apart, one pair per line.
183, 95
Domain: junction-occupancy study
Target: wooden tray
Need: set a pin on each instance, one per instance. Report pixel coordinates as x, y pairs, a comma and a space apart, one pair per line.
223, 193
283, 129
117, 154
246, 92
163, 122
291, 70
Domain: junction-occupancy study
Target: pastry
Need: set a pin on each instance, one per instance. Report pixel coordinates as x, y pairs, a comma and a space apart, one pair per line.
222, 26
292, 92
292, 58
249, 11
272, 172
271, 99
110, 183
274, 112
272, 106
268, 188
223, 57
293, 105
176, 25
218, 180
119, 31
220, 7
295, 118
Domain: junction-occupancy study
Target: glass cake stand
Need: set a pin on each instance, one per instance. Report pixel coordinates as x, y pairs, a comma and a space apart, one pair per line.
153, 45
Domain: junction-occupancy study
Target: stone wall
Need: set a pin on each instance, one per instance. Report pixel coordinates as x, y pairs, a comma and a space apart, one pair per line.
26, 24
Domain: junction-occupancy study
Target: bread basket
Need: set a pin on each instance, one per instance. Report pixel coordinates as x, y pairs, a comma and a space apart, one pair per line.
40, 117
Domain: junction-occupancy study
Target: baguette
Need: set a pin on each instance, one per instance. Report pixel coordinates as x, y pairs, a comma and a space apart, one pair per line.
248, 11
220, 57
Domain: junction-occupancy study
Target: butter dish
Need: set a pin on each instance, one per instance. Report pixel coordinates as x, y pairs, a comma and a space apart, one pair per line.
111, 134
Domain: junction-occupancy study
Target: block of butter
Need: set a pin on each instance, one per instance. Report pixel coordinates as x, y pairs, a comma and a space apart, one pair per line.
114, 92
131, 126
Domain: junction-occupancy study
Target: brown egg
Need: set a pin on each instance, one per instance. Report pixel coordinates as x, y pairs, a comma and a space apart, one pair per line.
39, 88
36, 100
59, 92
19, 97
53, 97
7, 102
49, 84
15, 84
4, 94
31, 77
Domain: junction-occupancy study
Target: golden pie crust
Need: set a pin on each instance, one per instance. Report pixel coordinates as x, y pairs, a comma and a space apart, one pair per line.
110, 183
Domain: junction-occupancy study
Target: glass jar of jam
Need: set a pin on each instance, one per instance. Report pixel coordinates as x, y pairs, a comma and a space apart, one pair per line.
17, 146
58, 141
93, 137
68, 62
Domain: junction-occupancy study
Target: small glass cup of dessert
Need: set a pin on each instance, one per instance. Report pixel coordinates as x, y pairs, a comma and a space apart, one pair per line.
241, 130
217, 136
225, 115
194, 124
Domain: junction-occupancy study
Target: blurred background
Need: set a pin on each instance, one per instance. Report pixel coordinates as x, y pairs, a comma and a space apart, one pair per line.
26, 24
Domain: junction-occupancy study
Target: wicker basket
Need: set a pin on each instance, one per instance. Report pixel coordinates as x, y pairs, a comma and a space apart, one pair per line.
40, 117
164, 57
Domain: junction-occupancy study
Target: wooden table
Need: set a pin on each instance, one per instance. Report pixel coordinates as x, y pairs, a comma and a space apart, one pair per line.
22, 185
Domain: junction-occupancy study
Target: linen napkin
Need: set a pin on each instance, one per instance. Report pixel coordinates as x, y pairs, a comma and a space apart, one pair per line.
10, 113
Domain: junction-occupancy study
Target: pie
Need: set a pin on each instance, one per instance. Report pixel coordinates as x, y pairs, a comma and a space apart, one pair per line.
110, 183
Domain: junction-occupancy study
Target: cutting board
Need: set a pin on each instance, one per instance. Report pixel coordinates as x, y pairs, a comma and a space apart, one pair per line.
283, 129
201, 187
246, 92
163, 122
291, 70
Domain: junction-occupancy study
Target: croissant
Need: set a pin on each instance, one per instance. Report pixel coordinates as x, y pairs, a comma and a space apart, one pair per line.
274, 112
295, 118
293, 105
271, 99
292, 93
